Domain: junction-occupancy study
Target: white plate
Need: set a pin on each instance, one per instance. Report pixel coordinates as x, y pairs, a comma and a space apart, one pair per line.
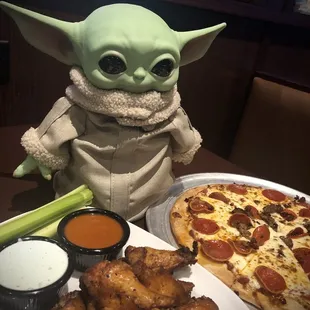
205, 283
157, 216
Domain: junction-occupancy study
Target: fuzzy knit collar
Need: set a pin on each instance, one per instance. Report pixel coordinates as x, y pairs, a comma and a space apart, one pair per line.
129, 109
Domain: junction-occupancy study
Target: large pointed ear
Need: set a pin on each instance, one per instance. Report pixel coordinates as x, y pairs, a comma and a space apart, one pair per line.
194, 44
49, 35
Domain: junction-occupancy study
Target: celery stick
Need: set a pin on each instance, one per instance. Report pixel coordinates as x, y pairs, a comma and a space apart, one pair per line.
79, 189
50, 230
43, 216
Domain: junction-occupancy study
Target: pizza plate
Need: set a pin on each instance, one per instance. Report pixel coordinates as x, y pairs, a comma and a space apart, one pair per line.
157, 216
205, 282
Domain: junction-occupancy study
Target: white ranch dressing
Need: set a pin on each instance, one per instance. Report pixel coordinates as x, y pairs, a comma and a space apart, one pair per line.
30, 265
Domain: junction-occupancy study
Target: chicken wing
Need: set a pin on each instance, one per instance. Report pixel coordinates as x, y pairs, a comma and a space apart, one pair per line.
201, 303
70, 301
159, 260
114, 285
163, 283
102, 297
188, 286
142, 280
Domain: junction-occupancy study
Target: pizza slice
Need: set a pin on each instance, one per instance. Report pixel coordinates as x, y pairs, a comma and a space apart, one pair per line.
275, 278
204, 214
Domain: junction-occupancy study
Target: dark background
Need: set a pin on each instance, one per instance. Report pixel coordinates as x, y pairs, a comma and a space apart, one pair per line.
263, 38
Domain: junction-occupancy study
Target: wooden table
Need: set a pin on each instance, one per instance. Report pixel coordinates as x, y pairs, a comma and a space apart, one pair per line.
32, 191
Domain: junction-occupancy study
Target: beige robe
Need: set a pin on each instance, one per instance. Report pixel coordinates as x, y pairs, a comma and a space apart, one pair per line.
120, 144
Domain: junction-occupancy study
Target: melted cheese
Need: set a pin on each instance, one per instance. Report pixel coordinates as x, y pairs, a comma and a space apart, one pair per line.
274, 253
221, 215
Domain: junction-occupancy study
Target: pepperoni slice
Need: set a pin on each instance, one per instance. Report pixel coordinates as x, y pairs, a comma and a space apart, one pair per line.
237, 189
242, 247
271, 280
300, 253
303, 257
298, 232
219, 196
261, 234
205, 226
198, 205
274, 195
306, 264
218, 250
252, 212
289, 215
238, 218
304, 212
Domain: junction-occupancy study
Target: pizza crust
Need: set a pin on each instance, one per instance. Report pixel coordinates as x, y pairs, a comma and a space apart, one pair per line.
245, 293
218, 269
180, 221
179, 218
291, 304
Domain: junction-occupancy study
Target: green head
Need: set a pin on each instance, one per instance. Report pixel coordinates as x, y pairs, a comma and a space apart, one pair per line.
119, 46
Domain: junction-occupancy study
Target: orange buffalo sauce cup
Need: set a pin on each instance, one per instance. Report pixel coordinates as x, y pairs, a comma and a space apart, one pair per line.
93, 235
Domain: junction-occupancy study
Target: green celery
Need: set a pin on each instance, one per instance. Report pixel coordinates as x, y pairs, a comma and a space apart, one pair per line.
44, 215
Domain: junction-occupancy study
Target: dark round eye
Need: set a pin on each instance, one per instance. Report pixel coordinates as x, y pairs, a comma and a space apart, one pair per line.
112, 65
163, 68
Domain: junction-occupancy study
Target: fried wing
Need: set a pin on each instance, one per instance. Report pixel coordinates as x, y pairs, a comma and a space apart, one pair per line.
163, 283
71, 301
90, 306
114, 285
201, 303
159, 260
188, 286
102, 297
142, 280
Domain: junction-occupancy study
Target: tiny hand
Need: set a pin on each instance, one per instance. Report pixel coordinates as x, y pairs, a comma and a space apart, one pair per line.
28, 165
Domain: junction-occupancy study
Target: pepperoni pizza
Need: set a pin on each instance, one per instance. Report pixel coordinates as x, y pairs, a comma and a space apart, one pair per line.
255, 240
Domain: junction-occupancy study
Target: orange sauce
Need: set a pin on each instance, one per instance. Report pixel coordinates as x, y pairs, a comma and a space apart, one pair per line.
93, 231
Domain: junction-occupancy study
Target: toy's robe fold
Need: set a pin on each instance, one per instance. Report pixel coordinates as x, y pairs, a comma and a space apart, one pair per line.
120, 144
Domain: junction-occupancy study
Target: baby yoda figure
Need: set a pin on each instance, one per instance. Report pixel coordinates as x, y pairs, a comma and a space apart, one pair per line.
120, 125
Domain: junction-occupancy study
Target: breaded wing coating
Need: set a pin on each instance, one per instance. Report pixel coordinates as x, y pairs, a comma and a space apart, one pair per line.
159, 260
107, 281
70, 301
201, 303
163, 283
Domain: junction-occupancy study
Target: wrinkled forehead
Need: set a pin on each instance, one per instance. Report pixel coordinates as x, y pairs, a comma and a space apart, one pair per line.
128, 27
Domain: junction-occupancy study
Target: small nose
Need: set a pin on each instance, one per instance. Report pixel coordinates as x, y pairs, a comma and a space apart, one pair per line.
139, 74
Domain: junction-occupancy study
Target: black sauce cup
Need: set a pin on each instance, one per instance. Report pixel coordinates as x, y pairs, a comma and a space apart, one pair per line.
83, 257
39, 299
